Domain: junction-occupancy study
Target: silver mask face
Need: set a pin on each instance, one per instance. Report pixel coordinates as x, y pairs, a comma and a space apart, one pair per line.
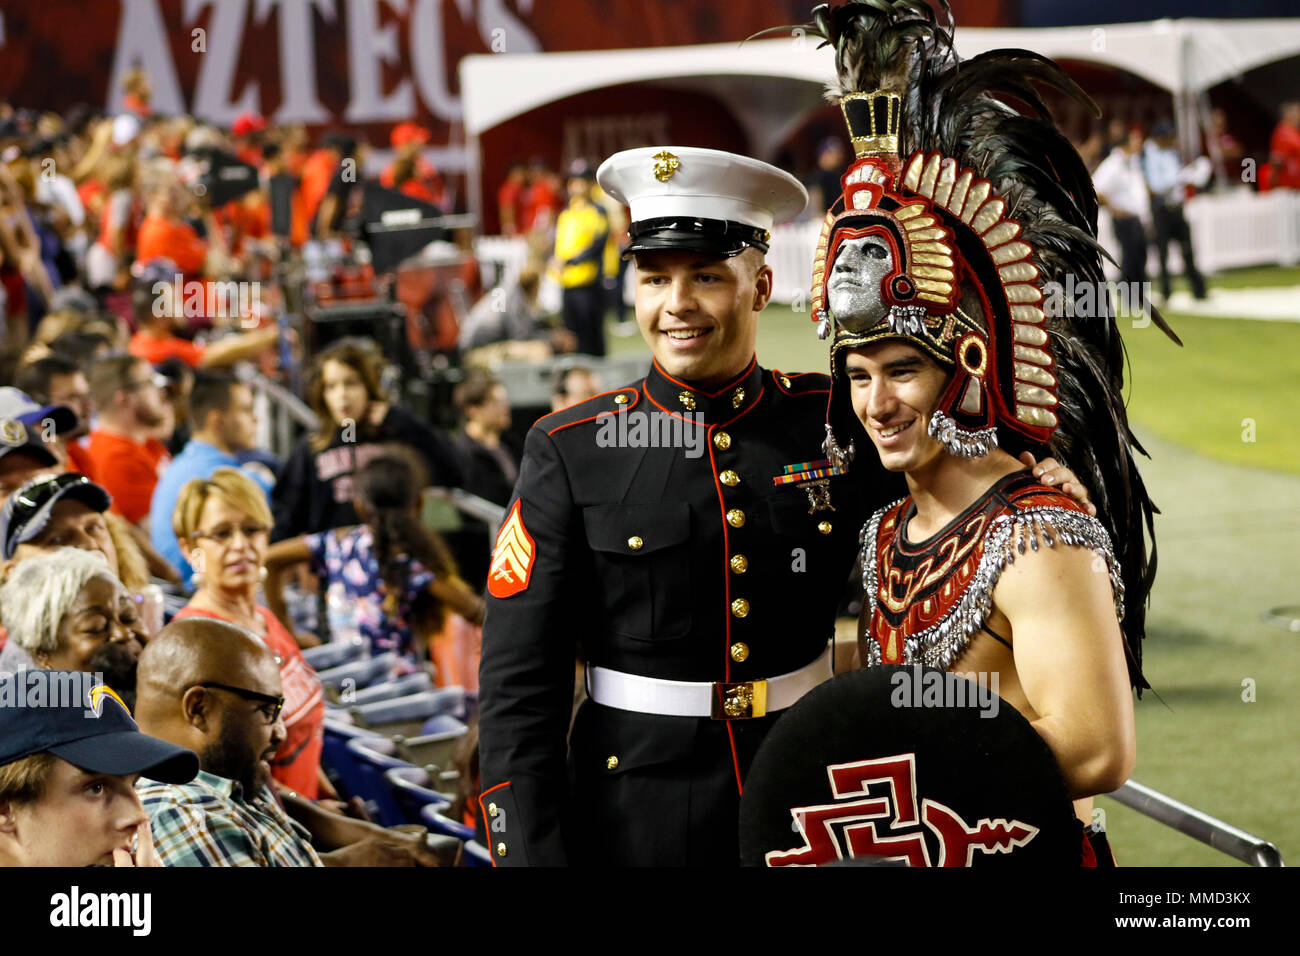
853, 292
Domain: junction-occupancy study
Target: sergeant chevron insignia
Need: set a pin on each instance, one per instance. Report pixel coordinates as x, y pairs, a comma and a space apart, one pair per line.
512, 561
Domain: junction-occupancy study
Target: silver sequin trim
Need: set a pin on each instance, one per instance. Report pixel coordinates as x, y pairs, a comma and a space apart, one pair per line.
870, 583
942, 644
961, 442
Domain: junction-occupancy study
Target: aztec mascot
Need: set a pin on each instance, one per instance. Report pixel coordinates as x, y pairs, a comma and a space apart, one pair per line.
959, 220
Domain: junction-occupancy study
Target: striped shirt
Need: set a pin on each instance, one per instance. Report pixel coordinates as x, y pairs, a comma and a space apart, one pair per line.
209, 822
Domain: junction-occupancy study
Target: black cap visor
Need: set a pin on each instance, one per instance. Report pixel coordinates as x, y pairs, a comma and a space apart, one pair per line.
19, 522
34, 448
713, 237
128, 751
63, 418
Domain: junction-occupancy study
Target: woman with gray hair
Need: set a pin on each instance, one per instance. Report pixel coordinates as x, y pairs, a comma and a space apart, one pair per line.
68, 611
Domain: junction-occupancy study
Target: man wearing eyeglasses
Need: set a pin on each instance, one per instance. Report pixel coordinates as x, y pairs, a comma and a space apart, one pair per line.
215, 688
128, 457
223, 698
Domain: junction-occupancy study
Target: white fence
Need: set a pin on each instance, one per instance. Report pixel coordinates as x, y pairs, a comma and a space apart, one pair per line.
1229, 230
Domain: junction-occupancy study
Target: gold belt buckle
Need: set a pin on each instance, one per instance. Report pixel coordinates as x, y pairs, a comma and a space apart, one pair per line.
739, 701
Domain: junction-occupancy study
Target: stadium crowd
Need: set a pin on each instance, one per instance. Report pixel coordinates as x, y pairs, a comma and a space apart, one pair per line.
279, 615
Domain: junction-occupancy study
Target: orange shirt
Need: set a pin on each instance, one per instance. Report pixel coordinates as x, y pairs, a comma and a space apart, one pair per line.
425, 185
79, 460
169, 239
155, 351
127, 470
317, 174
249, 217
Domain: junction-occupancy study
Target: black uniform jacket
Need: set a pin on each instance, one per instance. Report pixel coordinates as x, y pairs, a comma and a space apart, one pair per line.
681, 563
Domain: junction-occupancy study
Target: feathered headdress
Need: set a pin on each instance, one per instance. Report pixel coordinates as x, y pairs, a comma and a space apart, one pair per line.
962, 210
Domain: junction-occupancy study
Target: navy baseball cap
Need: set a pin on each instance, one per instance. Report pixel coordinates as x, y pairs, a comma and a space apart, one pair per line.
69, 715
28, 510
17, 404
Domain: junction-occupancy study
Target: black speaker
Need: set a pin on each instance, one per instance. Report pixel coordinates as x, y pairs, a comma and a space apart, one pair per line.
396, 226
223, 176
282, 187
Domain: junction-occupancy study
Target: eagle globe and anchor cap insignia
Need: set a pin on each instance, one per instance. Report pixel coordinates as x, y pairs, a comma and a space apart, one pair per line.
666, 164
512, 560
859, 772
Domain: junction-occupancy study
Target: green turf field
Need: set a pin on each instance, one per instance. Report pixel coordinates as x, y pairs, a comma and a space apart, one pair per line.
1228, 538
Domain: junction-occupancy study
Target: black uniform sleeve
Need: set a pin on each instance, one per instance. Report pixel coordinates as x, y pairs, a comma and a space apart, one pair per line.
526, 674
291, 496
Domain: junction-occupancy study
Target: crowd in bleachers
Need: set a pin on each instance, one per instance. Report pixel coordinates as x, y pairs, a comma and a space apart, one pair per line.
289, 615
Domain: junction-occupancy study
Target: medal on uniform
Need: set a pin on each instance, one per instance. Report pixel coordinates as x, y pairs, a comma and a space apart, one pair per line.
819, 495
814, 478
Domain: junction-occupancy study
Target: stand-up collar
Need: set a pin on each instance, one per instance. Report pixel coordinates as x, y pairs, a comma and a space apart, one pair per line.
713, 406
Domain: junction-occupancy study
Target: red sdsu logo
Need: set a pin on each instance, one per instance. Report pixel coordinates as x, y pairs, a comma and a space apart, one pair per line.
843, 830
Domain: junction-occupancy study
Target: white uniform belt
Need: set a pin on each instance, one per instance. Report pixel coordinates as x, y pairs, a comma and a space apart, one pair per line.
718, 699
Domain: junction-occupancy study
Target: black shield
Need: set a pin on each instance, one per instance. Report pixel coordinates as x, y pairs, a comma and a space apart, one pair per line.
910, 765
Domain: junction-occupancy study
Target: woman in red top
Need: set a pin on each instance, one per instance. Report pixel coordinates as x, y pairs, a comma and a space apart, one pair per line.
224, 523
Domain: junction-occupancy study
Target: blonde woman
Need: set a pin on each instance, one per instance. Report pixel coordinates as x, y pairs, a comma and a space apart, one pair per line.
223, 524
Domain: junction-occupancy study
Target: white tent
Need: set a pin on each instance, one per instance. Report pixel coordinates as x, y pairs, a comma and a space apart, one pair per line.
772, 85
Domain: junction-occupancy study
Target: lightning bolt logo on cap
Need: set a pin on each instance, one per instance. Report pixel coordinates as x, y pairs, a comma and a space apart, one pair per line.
512, 561
97, 695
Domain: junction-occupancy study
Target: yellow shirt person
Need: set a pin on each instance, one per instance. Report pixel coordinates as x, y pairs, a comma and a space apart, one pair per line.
581, 231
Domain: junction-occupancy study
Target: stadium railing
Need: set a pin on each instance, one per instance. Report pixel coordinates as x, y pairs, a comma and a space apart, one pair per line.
1198, 825
281, 415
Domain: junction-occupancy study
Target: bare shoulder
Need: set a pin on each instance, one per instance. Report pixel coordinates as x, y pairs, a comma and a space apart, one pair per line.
1046, 567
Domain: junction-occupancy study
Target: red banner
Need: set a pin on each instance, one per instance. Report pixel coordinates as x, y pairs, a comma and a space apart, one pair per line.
345, 63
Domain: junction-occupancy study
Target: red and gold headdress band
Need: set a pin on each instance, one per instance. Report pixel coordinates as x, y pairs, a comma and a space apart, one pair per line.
963, 285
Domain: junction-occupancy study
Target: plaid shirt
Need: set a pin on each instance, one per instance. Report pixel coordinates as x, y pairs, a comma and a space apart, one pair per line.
209, 822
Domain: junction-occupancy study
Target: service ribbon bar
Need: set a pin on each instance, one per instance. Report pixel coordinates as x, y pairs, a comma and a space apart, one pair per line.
807, 471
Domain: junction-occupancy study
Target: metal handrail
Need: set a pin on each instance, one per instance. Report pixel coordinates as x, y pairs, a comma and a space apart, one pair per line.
472, 505
278, 411
1198, 825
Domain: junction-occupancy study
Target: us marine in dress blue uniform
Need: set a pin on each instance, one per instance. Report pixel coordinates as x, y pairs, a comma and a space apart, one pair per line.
679, 575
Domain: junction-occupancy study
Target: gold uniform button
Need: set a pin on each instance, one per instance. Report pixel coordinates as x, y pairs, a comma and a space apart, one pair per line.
740, 652
739, 563
740, 607
737, 397
729, 478
635, 542
785, 382
492, 809
501, 849
722, 441
687, 400
736, 518
620, 399
824, 527
611, 763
